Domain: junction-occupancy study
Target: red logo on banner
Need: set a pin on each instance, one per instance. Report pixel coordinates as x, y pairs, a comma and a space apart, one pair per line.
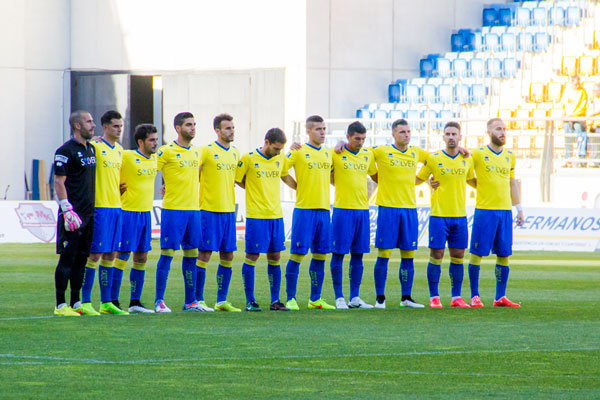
38, 220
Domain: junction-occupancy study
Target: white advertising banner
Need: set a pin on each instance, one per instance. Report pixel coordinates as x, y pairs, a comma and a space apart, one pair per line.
556, 229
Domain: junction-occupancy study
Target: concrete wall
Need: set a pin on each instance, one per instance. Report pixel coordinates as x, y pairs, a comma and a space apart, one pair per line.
355, 48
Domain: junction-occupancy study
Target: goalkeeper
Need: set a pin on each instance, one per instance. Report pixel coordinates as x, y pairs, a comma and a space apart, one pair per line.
74, 183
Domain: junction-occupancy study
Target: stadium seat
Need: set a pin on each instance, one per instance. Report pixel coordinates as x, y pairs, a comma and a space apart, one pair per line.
536, 92
491, 42
557, 16
446, 115
493, 67
541, 41
538, 113
478, 93
386, 107
507, 41
429, 93
443, 67
529, 4
522, 16
372, 107
504, 16
426, 67
490, 17
596, 44
573, 16
396, 114
476, 68
445, 93
509, 67
380, 114
585, 65
525, 41
429, 115
539, 16
411, 115
412, 93
568, 65
521, 113
457, 42
462, 94
553, 92
459, 68
363, 113
394, 92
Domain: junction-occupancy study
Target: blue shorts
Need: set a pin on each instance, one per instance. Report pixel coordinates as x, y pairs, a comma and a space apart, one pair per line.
136, 231
264, 235
107, 230
351, 231
397, 228
311, 229
218, 231
454, 230
492, 230
180, 229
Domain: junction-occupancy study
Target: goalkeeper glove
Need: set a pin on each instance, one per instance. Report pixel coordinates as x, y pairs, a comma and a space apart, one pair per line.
72, 220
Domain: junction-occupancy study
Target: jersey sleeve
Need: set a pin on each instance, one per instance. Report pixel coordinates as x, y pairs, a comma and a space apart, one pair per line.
161, 158
512, 165
284, 167
241, 169
423, 155
470, 169
290, 159
372, 170
61, 159
425, 172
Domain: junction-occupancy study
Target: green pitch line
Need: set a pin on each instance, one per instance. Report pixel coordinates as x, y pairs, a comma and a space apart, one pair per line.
547, 349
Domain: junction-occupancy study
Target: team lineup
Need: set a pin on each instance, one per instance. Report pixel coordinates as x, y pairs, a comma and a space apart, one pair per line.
106, 194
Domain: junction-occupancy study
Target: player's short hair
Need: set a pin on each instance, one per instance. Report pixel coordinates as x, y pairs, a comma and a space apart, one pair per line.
142, 131
397, 122
356, 127
76, 117
275, 135
220, 118
182, 116
108, 116
452, 124
491, 121
312, 120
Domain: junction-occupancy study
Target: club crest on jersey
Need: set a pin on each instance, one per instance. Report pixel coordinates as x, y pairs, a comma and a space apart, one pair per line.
464, 163
366, 158
277, 164
507, 159
240, 164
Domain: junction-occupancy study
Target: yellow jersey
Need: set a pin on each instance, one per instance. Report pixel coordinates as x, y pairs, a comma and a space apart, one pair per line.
493, 172
263, 190
138, 172
448, 200
180, 168
108, 171
396, 171
312, 167
350, 172
218, 178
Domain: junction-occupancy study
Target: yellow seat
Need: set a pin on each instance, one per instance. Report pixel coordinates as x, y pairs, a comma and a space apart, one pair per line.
568, 65
536, 92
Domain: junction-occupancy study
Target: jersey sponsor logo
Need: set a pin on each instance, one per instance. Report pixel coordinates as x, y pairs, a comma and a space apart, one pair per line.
225, 167
492, 169
355, 166
267, 174
319, 165
111, 164
87, 161
38, 220
403, 163
61, 158
146, 171
189, 163
453, 171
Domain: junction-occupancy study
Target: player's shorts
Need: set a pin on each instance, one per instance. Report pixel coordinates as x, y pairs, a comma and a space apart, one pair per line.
264, 235
454, 230
397, 228
218, 231
492, 230
136, 231
76, 242
107, 230
351, 231
180, 229
311, 229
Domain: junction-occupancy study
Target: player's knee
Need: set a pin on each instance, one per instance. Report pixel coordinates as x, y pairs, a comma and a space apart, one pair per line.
167, 252
227, 256
384, 253
190, 253
407, 253
503, 261
274, 257
252, 257
319, 256
95, 256
140, 257
436, 253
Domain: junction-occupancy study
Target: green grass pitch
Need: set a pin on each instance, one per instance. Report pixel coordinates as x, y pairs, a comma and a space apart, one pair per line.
550, 348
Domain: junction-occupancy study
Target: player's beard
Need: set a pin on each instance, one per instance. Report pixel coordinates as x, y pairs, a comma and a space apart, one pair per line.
497, 141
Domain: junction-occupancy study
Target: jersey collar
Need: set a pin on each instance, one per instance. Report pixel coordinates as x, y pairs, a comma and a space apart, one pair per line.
313, 147
187, 148
401, 151
449, 156
224, 148
108, 144
265, 157
500, 152
349, 151
137, 151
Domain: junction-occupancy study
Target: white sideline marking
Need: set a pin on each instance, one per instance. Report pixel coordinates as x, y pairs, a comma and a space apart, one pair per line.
31, 317
291, 357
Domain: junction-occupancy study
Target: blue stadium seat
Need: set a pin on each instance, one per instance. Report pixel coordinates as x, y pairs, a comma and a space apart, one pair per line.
457, 42
493, 68
476, 67
539, 16
363, 113
509, 67
412, 114
490, 17
504, 17
540, 41
525, 41
445, 93
380, 114
429, 115
372, 106
462, 94
386, 106
446, 115
478, 93
434, 58
507, 41
522, 16
396, 114
394, 92
491, 42
426, 67
443, 67
429, 93
573, 16
412, 93
459, 68
557, 16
